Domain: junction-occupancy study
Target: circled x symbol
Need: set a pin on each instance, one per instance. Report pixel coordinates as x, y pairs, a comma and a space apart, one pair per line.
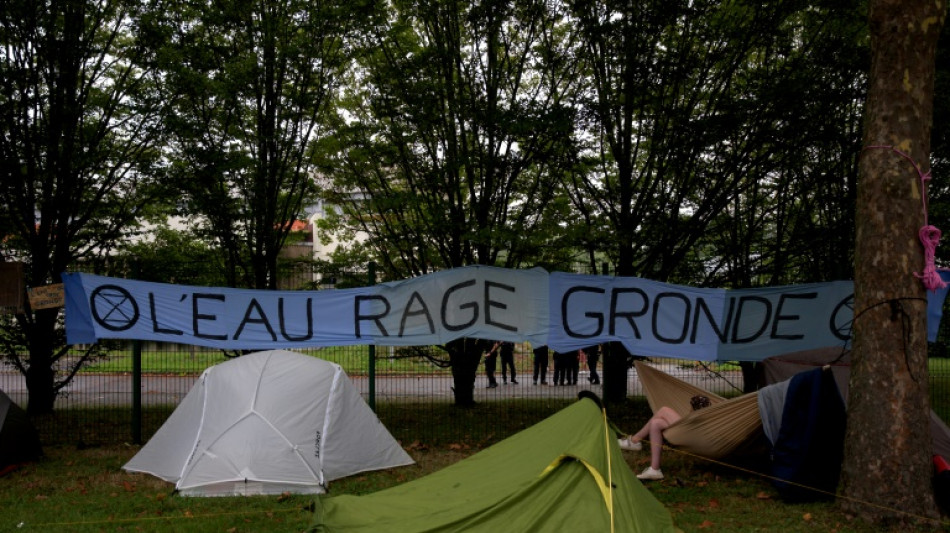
842, 318
114, 308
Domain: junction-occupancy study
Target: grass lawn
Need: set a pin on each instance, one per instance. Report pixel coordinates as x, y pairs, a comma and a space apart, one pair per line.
85, 489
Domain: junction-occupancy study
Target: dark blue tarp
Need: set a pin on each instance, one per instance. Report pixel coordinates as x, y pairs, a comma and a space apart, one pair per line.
810, 444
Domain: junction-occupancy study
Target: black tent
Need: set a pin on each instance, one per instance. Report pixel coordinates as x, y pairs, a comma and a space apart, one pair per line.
19, 441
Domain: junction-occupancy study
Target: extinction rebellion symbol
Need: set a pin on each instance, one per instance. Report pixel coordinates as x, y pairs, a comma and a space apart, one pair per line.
114, 308
842, 318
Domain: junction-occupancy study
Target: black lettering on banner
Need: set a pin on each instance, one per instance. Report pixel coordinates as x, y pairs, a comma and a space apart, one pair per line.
358, 318
121, 309
196, 316
711, 320
599, 317
261, 319
628, 315
779, 317
469, 305
767, 317
155, 327
283, 326
489, 303
686, 313
408, 312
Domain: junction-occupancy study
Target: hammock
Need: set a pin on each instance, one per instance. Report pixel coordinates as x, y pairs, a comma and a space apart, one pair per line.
716, 431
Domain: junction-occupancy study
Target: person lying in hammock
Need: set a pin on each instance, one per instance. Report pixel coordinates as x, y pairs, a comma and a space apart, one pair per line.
662, 419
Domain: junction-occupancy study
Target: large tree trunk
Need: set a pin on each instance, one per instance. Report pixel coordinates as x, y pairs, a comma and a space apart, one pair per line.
887, 467
464, 354
615, 373
40, 375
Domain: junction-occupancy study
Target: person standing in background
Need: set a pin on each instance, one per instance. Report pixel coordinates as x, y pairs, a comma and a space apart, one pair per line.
572, 366
507, 351
559, 371
592, 354
491, 359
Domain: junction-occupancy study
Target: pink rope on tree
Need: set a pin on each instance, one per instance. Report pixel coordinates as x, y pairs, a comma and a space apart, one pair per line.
929, 235
930, 238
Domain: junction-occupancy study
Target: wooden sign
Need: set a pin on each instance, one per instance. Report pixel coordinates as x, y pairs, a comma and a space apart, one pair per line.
12, 288
47, 297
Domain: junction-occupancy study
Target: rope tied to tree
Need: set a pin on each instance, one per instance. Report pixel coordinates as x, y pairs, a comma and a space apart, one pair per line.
929, 235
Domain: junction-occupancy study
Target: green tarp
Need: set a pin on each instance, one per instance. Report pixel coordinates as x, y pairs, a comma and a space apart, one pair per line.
565, 473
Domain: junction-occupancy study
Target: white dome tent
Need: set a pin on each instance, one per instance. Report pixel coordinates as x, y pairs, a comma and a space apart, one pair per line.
268, 423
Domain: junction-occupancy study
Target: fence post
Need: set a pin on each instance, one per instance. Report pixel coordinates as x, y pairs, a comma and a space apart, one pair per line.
372, 348
136, 381
136, 392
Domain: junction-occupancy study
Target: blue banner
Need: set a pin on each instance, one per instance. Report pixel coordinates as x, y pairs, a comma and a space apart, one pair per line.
564, 311
665, 320
483, 302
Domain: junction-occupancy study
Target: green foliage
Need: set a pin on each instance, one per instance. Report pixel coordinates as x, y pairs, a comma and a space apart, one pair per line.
82, 110
174, 256
458, 162
253, 82
696, 128
939, 186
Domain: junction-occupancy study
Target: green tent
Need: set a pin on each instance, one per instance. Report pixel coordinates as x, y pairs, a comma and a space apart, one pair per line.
565, 473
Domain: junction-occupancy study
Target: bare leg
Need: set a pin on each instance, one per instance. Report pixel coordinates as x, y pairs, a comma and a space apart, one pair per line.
663, 414
657, 425
643, 433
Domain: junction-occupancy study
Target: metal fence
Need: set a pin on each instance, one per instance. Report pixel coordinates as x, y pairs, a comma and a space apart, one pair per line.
97, 406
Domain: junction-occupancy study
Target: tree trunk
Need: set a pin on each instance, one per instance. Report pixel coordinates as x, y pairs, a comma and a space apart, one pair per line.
750, 376
464, 354
887, 468
615, 373
40, 376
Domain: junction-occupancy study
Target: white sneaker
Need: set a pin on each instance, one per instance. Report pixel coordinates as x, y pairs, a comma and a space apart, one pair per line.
627, 444
650, 473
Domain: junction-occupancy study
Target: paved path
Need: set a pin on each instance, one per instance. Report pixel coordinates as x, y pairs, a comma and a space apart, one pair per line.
112, 389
